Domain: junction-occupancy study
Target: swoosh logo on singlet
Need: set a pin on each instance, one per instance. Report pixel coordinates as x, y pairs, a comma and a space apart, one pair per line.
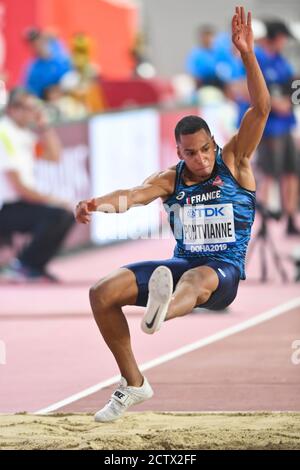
150, 324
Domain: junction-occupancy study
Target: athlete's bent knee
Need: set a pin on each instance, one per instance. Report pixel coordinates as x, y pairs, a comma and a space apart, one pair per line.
101, 296
203, 296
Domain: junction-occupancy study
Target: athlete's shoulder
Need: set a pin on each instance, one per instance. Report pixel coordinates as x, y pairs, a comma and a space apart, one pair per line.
169, 176
240, 169
164, 178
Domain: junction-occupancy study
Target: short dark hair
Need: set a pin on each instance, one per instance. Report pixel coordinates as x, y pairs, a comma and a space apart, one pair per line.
276, 28
32, 34
190, 125
15, 96
206, 28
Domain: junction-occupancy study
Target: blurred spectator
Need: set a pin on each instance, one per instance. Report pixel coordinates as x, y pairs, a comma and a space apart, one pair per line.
138, 52
201, 61
88, 89
215, 62
81, 49
229, 67
142, 66
22, 208
50, 62
277, 154
61, 105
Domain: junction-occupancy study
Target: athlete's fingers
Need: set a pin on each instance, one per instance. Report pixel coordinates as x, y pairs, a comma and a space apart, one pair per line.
249, 19
84, 219
243, 18
238, 15
83, 207
85, 216
82, 214
234, 22
91, 205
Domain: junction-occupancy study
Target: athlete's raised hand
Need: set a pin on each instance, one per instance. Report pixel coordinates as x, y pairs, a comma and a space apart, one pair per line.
84, 209
242, 34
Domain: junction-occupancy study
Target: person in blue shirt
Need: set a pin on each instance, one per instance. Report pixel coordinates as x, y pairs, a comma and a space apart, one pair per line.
50, 63
209, 197
229, 66
277, 157
214, 62
201, 60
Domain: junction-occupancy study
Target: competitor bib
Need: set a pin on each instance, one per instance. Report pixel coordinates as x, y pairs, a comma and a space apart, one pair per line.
203, 224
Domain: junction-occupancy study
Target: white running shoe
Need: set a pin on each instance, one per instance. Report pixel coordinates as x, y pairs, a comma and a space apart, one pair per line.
160, 293
122, 398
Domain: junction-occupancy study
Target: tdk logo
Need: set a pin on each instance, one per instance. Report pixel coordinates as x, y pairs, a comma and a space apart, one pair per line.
206, 212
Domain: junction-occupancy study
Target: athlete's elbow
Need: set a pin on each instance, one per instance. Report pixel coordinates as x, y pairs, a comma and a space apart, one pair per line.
264, 107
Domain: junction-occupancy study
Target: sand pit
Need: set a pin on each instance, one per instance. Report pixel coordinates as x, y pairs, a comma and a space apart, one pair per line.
161, 431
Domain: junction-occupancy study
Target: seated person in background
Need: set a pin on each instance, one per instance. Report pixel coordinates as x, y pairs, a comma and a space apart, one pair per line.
61, 105
23, 209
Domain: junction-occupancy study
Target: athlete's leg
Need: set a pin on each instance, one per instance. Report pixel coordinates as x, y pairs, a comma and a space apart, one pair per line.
194, 288
212, 285
107, 297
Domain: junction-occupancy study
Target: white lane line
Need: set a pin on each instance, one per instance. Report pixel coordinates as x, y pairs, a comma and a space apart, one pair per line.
274, 312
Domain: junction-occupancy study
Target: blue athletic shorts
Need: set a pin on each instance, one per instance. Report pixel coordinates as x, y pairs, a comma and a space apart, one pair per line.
228, 274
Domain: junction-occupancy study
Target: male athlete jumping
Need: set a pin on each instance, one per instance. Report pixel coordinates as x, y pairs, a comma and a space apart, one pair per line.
210, 197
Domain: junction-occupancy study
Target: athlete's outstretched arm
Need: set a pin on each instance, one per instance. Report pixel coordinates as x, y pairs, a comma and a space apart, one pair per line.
158, 185
244, 143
